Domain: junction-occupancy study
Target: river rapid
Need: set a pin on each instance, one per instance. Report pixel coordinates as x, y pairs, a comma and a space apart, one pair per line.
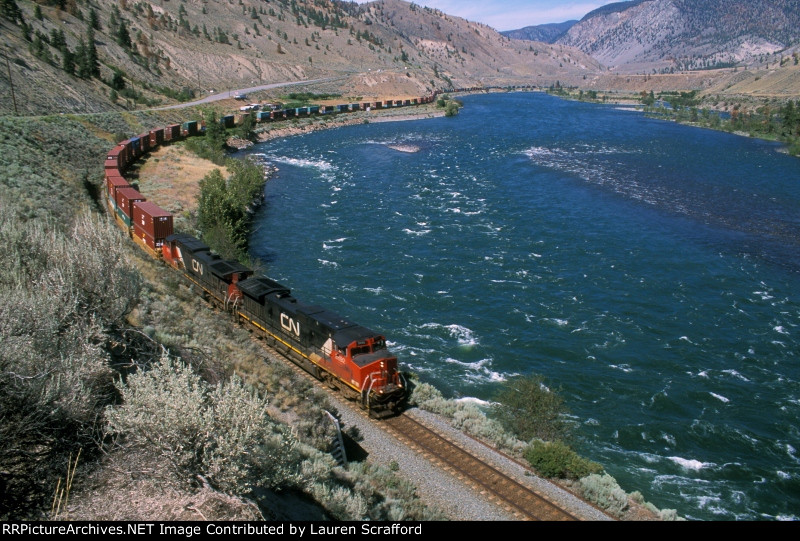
648, 270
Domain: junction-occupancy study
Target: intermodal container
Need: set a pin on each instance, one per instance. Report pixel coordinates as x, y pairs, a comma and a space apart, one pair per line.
125, 199
126, 155
156, 137
136, 147
140, 235
113, 154
112, 158
189, 128
114, 183
152, 219
112, 164
227, 121
263, 116
172, 132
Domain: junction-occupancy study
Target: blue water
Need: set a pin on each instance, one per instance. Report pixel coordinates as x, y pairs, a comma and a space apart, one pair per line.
648, 270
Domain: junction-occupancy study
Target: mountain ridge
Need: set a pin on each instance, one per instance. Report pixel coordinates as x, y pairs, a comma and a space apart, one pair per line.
192, 47
149, 54
665, 36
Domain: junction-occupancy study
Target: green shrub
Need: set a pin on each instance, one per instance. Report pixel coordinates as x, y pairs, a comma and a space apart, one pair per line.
225, 207
62, 293
557, 459
464, 416
222, 433
605, 492
525, 406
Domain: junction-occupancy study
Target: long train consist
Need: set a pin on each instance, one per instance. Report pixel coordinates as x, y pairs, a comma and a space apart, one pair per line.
349, 357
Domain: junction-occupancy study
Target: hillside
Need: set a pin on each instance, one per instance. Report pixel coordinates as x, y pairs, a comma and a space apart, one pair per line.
92, 56
101, 55
665, 36
746, 52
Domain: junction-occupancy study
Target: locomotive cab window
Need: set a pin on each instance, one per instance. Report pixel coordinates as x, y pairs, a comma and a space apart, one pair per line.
360, 350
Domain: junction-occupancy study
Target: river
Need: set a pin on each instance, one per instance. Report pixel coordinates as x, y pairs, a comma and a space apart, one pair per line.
648, 270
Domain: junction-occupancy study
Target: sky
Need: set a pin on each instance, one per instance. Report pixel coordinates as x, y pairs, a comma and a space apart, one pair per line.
514, 14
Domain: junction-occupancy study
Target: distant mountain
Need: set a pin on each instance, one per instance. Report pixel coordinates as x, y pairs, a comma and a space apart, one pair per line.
677, 35
546, 33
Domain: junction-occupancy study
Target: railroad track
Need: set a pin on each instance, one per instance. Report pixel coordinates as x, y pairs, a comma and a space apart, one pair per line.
519, 500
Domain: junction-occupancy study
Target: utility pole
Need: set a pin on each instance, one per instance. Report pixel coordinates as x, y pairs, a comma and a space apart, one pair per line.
11, 83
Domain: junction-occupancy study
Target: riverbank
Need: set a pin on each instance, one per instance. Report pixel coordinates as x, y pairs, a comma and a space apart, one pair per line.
170, 175
302, 126
744, 117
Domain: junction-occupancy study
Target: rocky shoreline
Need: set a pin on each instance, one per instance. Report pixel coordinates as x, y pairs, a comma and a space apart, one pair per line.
309, 125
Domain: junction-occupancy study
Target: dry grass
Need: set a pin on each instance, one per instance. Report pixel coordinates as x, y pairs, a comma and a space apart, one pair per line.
170, 178
127, 487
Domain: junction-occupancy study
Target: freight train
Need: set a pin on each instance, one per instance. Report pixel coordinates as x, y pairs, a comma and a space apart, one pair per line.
348, 356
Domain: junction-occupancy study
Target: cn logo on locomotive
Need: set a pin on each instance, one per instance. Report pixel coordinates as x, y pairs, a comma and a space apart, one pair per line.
290, 325
197, 267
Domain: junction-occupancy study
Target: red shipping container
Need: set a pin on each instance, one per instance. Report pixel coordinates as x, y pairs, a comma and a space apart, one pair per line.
152, 219
113, 183
113, 154
140, 235
112, 163
172, 132
125, 199
113, 157
156, 137
126, 156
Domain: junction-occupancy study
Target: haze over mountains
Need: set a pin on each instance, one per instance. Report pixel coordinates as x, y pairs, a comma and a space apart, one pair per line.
156, 52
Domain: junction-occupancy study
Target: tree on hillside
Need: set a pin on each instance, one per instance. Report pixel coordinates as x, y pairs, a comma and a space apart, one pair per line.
94, 20
215, 132
92, 60
86, 57
10, 10
123, 36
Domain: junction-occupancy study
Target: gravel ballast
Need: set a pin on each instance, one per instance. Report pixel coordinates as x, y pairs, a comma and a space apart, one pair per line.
457, 499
